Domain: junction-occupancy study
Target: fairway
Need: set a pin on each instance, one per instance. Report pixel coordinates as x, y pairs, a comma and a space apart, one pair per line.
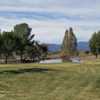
64, 81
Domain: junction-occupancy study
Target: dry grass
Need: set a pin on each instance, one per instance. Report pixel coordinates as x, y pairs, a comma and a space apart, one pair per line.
64, 81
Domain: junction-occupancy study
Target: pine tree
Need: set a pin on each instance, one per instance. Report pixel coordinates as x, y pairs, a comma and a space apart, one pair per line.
94, 44
69, 45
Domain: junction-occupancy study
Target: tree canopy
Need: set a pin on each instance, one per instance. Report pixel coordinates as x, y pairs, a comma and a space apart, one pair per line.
69, 45
20, 42
94, 43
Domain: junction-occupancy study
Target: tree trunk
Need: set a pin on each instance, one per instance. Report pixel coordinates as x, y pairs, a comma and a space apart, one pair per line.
21, 58
6, 59
96, 56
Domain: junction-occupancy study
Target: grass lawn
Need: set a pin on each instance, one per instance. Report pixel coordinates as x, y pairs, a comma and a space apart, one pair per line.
50, 82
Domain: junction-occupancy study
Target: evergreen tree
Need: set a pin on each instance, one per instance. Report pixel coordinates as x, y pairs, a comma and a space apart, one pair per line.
69, 45
25, 40
26, 45
8, 44
94, 44
21, 42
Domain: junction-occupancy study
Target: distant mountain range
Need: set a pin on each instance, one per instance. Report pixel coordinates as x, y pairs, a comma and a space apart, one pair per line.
83, 46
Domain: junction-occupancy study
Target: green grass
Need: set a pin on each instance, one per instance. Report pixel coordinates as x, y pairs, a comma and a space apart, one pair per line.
64, 81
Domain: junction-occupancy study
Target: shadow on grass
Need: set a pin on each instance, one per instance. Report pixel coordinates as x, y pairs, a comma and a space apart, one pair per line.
30, 70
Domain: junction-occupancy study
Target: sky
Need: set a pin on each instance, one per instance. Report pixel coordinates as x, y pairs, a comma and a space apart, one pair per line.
49, 19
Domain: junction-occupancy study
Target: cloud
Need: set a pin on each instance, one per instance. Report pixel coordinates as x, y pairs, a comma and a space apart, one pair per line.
52, 31
50, 18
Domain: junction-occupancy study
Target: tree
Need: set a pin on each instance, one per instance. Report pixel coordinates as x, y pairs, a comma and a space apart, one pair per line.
27, 47
43, 49
39, 52
1, 44
73, 41
94, 44
69, 45
21, 42
8, 44
24, 39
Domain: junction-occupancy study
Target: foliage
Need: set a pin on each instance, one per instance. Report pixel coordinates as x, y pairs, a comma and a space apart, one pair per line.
23, 33
8, 44
21, 42
69, 45
94, 43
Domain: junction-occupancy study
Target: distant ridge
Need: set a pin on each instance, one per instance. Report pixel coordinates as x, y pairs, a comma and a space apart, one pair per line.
54, 47
83, 46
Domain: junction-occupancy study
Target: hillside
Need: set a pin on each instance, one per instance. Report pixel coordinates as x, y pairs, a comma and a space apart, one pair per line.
83, 46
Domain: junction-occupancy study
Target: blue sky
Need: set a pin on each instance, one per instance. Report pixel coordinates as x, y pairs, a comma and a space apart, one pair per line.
50, 18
